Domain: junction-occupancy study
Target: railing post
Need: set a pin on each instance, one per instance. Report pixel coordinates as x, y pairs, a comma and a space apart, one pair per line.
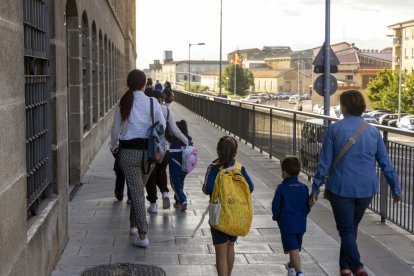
271, 134
240, 121
294, 134
254, 126
383, 188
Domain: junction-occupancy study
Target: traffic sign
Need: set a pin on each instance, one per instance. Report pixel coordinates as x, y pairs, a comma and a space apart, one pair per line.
319, 84
320, 57
320, 69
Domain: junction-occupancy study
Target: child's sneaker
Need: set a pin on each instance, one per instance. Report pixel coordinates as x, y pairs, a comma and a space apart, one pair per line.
300, 274
165, 201
153, 208
143, 243
291, 270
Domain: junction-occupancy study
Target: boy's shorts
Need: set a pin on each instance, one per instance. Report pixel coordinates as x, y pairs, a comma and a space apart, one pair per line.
292, 241
220, 237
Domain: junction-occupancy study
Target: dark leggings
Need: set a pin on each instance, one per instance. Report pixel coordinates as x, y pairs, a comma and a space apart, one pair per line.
158, 178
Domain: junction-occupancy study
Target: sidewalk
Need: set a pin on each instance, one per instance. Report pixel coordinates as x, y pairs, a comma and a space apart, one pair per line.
99, 225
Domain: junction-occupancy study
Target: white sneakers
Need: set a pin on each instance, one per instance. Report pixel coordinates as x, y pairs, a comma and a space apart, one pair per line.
153, 208
291, 270
165, 201
143, 243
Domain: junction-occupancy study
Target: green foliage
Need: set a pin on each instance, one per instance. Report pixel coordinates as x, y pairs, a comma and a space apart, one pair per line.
196, 88
383, 91
244, 79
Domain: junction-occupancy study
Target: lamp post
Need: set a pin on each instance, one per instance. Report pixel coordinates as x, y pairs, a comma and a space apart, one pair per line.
221, 43
189, 62
399, 40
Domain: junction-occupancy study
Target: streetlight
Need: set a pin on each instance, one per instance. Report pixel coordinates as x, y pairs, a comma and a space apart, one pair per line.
399, 41
221, 43
189, 63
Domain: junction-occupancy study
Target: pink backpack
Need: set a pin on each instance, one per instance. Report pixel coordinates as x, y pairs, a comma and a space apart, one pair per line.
189, 159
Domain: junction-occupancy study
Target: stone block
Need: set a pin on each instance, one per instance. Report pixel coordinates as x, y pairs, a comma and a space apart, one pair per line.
12, 144
13, 225
11, 11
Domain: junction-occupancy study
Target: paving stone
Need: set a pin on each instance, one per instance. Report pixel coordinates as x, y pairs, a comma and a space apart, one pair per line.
202, 259
170, 259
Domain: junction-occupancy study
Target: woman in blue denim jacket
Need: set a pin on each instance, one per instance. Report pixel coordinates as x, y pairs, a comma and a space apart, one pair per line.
354, 181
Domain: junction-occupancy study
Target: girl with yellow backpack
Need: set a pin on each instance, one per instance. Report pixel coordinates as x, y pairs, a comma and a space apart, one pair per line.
230, 208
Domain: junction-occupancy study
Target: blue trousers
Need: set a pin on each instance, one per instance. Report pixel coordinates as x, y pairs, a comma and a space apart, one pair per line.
348, 213
177, 176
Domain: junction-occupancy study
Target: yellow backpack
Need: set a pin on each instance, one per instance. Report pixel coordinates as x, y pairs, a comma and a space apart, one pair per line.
230, 207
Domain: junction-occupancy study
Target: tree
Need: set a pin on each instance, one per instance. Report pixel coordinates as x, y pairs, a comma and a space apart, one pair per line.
244, 79
383, 91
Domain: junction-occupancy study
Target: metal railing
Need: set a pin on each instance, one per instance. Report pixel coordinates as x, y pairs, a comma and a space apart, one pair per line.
280, 132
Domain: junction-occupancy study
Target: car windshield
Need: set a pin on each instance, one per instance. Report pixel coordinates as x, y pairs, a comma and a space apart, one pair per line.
411, 121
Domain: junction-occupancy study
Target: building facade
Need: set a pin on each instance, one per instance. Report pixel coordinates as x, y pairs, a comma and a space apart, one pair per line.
63, 68
403, 46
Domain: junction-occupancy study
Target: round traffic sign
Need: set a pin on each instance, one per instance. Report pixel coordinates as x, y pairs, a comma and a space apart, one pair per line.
319, 84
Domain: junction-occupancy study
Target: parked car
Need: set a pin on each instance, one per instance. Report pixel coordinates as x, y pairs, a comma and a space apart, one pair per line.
317, 108
406, 122
283, 96
265, 96
293, 99
306, 96
333, 112
274, 96
253, 99
369, 118
384, 119
393, 123
378, 113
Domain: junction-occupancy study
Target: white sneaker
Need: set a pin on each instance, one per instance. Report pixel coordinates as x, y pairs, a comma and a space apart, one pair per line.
300, 274
133, 231
144, 243
165, 201
153, 208
291, 270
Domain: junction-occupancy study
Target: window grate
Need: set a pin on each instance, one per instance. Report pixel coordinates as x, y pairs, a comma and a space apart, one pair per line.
37, 95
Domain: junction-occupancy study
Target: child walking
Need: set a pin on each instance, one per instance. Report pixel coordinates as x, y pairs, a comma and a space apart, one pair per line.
290, 208
177, 175
223, 243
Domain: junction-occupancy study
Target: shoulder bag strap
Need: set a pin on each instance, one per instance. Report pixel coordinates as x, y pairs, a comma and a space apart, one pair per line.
347, 146
152, 111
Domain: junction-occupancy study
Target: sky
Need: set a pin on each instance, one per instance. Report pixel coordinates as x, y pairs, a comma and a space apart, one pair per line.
173, 24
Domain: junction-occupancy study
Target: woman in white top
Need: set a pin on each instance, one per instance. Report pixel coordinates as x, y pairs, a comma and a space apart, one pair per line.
129, 136
159, 175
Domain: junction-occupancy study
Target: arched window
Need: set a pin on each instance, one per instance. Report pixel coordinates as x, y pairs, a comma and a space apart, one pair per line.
85, 73
106, 74
94, 74
101, 76
109, 75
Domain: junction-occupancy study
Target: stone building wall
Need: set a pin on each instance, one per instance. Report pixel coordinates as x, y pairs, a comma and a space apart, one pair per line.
85, 78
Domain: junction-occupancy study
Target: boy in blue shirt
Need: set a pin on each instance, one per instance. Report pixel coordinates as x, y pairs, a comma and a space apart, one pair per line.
290, 207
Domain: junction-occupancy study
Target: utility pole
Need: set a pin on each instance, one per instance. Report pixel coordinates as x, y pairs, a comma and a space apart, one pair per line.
221, 43
327, 61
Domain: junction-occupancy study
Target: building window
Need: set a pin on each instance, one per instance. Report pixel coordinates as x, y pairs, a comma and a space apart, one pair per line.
94, 74
193, 78
37, 103
349, 77
85, 73
405, 53
185, 78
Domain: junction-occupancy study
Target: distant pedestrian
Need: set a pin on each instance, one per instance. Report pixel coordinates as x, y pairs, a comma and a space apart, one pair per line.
129, 136
149, 83
158, 86
290, 208
351, 183
158, 177
224, 243
168, 94
177, 174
